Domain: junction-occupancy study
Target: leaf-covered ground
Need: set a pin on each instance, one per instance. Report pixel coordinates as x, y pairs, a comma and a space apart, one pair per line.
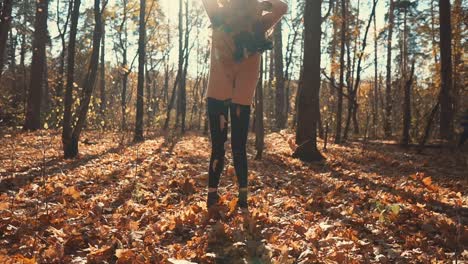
145, 203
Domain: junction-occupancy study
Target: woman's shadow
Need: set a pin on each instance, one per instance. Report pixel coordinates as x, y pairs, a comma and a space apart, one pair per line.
237, 239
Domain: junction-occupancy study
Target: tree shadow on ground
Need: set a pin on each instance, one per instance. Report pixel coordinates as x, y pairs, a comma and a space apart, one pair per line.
433, 229
56, 165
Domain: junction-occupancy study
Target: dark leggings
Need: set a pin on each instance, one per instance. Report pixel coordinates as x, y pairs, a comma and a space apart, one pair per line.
218, 114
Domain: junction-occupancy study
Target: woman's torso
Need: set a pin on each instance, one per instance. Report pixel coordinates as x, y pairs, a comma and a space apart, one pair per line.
228, 75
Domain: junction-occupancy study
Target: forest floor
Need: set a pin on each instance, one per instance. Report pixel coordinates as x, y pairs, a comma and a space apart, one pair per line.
145, 203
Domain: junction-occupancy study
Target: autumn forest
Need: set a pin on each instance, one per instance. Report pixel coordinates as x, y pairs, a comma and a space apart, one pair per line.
353, 147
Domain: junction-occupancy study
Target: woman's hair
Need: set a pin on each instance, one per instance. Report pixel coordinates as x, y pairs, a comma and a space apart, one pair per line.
242, 20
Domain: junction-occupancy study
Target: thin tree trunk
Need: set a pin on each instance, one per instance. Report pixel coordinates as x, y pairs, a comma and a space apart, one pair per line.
407, 109
102, 85
458, 65
46, 97
23, 68
430, 120
354, 107
141, 74
259, 124
388, 87
333, 52
61, 72
180, 69
280, 109
68, 100
270, 100
375, 114
339, 112
171, 101
125, 67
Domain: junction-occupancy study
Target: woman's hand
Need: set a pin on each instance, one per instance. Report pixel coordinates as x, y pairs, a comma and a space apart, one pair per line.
277, 9
212, 8
266, 6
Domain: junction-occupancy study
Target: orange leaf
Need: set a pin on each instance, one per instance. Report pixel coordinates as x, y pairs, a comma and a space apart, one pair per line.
427, 181
4, 205
72, 191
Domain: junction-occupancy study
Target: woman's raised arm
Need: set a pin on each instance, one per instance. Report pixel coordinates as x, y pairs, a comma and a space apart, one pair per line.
212, 8
276, 11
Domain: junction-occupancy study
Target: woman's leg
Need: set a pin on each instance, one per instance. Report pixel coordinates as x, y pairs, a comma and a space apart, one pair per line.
240, 116
218, 120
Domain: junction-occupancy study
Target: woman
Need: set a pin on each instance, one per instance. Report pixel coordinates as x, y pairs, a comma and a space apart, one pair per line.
238, 38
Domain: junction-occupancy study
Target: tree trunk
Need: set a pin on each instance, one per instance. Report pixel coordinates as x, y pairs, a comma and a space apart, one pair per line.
388, 87
183, 87
141, 74
333, 65
180, 69
446, 102
280, 109
68, 147
458, 64
170, 105
15, 89
271, 76
339, 111
259, 125
89, 83
375, 114
125, 68
353, 107
33, 112
5, 22
46, 96
23, 69
306, 133
427, 130
407, 109
102, 86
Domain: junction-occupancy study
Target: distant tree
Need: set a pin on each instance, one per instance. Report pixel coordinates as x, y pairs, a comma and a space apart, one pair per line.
280, 96
37, 79
180, 74
102, 73
407, 109
6, 7
388, 85
353, 90
259, 123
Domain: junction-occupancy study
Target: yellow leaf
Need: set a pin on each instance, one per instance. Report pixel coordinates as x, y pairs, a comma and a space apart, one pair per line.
233, 205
